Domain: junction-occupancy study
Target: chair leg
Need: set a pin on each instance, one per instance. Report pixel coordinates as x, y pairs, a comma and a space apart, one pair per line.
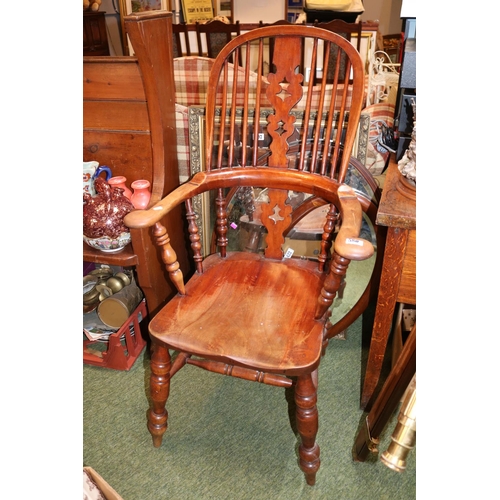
160, 388
307, 425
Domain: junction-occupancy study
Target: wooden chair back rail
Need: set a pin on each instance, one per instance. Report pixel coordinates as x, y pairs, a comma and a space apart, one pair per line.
346, 30
182, 30
216, 34
219, 77
180, 34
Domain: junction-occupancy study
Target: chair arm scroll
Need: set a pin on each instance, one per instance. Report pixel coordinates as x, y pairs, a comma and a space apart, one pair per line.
347, 243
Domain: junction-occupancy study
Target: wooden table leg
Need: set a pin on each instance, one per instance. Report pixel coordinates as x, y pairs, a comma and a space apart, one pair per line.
385, 404
386, 302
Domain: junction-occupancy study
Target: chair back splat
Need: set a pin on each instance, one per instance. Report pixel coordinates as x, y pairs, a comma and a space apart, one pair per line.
216, 34
276, 152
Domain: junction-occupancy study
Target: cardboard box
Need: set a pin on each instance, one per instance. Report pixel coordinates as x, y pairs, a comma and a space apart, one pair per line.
106, 490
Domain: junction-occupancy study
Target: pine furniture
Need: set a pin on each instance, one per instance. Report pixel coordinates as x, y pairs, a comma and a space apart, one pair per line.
95, 37
129, 125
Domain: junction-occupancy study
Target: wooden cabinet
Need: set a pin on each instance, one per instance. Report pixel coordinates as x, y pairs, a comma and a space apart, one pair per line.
95, 38
129, 125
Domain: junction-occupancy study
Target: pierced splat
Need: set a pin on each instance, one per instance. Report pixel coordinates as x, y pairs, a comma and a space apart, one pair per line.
280, 130
284, 92
276, 217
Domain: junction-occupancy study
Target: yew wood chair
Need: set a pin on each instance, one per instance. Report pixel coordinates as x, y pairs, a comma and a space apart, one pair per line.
263, 316
217, 34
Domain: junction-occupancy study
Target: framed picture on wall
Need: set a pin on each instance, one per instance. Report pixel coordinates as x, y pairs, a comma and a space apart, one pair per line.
224, 8
145, 5
132, 6
259, 10
197, 10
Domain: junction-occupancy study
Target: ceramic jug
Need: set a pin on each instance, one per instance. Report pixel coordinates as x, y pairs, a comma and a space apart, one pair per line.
92, 170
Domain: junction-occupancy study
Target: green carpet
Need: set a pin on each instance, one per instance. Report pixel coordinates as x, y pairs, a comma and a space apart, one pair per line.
232, 439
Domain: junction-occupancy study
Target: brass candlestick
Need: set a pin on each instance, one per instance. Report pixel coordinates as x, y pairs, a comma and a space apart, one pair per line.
404, 436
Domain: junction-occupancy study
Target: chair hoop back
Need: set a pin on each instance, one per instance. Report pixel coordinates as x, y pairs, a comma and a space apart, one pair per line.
312, 115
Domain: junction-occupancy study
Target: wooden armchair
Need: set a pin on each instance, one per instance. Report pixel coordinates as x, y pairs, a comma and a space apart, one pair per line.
263, 316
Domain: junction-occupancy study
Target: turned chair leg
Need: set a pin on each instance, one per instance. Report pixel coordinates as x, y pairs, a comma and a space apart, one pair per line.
160, 388
307, 426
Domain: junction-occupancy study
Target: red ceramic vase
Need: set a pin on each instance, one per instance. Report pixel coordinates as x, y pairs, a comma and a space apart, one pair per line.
141, 195
119, 182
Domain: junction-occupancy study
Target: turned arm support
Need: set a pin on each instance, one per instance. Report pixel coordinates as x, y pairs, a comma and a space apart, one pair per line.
348, 244
152, 217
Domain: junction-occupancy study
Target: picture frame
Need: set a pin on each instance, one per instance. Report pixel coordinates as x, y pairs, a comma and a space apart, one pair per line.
128, 7
197, 10
224, 8
202, 204
260, 10
295, 4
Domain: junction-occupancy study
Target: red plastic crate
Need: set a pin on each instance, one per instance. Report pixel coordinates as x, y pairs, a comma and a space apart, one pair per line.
119, 356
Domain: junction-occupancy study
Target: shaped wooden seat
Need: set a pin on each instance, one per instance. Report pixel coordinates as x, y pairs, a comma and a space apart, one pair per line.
265, 315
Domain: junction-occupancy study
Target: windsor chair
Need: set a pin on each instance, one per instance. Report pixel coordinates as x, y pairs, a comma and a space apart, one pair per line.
264, 316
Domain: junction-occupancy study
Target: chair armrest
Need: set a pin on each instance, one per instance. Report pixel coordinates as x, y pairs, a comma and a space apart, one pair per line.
347, 243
